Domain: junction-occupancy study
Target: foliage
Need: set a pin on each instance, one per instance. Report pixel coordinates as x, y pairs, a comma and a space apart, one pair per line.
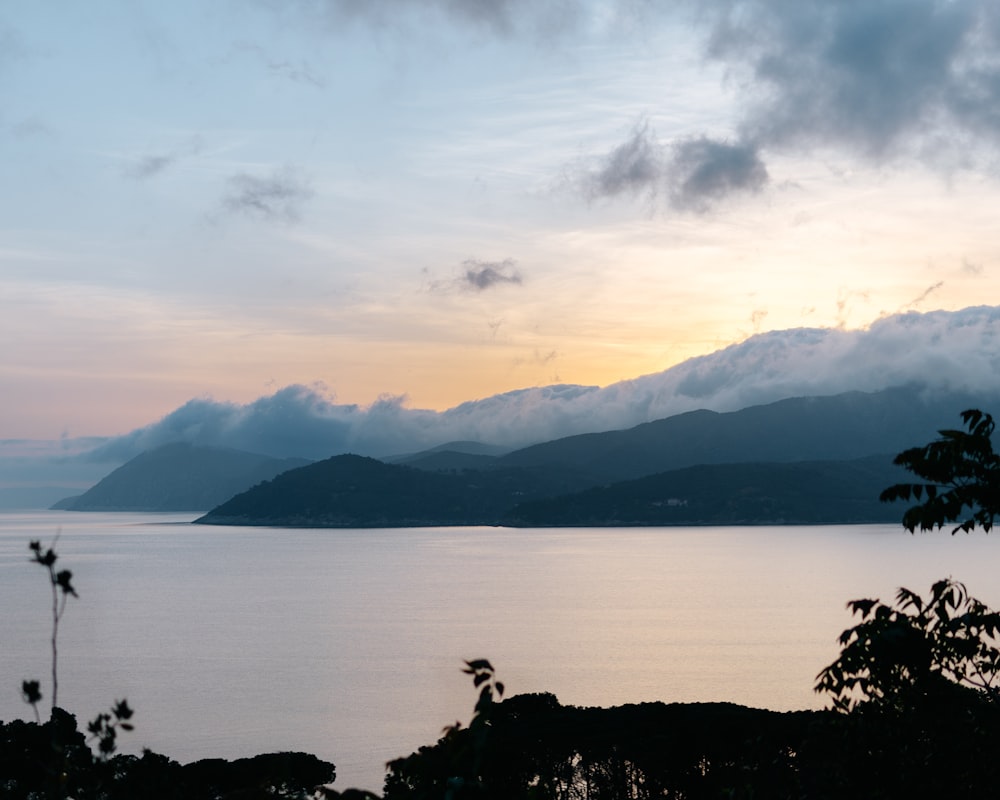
292, 776
961, 475
536, 748
906, 654
58, 766
917, 693
62, 588
104, 728
459, 756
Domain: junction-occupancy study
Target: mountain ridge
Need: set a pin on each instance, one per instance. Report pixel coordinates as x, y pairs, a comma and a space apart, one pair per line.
178, 477
826, 438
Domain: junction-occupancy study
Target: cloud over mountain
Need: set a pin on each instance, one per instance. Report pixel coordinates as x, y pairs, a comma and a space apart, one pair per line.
941, 350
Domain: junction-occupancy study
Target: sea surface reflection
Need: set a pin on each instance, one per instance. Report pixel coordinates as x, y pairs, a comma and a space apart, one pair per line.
348, 643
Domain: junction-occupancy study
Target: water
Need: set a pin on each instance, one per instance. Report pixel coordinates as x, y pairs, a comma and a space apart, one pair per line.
349, 643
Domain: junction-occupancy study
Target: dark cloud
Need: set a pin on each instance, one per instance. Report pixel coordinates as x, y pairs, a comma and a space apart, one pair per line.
277, 197
150, 165
883, 79
637, 166
874, 76
479, 276
947, 350
703, 172
694, 174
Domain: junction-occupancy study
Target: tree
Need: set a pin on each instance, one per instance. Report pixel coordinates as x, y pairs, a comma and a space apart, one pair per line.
916, 699
917, 681
453, 768
916, 651
961, 475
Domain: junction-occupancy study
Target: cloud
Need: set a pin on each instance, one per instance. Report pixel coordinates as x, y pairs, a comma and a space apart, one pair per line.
543, 18
151, 165
148, 166
872, 76
302, 72
478, 276
637, 166
704, 171
957, 351
65, 463
695, 174
971, 268
30, 128
886, 80
276, 197
915, 302
12, 47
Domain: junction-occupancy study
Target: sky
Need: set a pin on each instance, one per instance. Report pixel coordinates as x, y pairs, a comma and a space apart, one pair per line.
377, 210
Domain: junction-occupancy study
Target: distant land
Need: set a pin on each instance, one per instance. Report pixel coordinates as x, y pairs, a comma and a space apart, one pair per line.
813, 460
808, 460
800, 493
179, 477
358, 492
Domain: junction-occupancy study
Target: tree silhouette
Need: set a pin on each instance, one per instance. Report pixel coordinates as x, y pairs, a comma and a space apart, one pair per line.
62, 588
961, 475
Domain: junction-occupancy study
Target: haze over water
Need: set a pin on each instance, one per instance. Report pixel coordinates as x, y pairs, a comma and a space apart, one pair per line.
348, 643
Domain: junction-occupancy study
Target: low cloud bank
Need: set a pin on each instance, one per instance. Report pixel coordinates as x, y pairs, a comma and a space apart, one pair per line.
942, 350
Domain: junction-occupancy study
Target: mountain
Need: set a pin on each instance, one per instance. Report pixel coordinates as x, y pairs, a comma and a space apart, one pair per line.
451, 456
803, 493
814, 459
351, 491
179, 477
838, 427
356, 491
359, 492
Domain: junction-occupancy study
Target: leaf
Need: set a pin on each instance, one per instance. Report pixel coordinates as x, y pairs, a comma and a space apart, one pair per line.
32, 692
863, 607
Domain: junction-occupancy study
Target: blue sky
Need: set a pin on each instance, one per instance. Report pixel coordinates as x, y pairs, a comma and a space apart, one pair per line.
439, 201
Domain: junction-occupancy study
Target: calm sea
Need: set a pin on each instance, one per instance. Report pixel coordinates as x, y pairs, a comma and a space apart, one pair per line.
349, 643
